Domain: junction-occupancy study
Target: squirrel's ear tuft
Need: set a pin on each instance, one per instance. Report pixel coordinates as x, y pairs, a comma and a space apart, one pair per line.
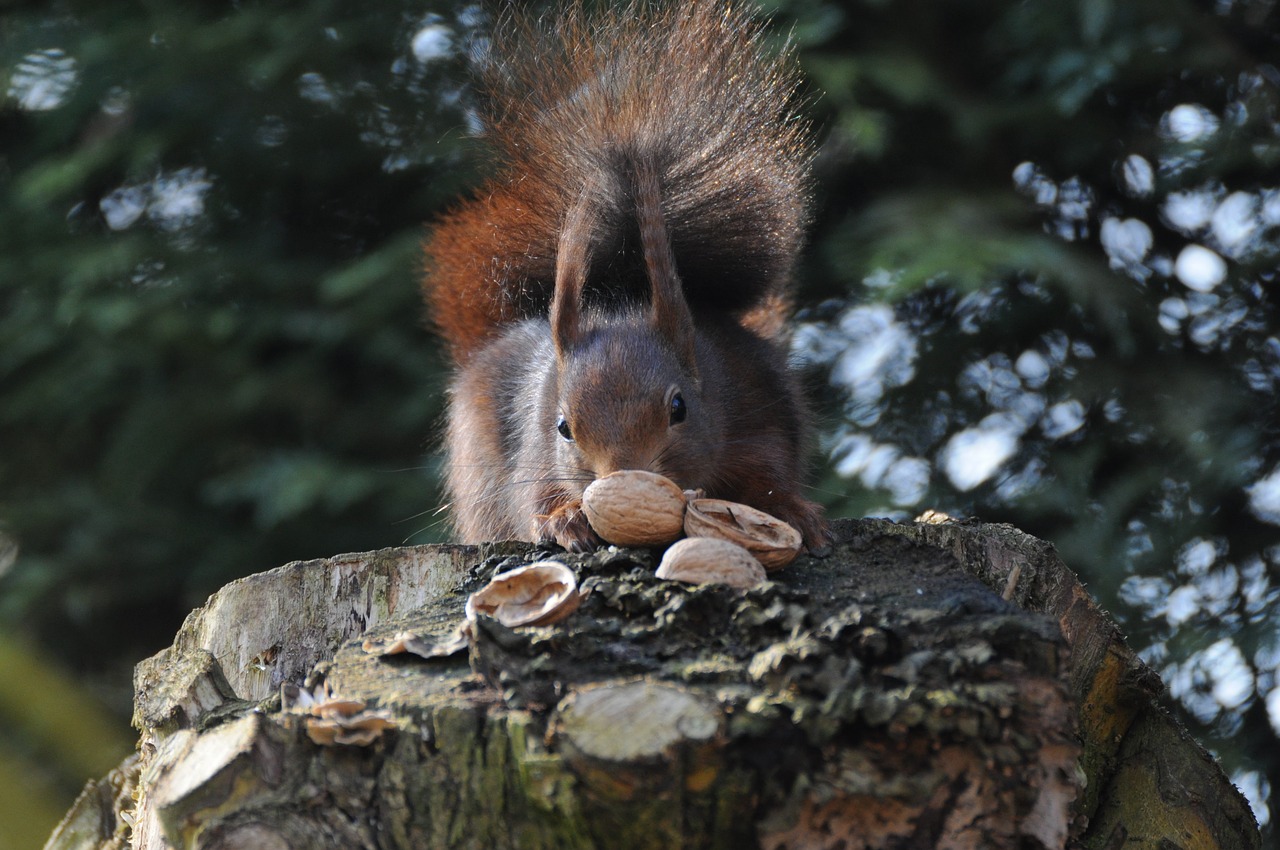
670, 313
573, 261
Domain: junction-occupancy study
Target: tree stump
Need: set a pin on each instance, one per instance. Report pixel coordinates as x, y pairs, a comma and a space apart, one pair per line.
947, 686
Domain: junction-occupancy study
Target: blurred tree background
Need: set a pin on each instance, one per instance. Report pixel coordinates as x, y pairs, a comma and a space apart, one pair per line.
1040, 291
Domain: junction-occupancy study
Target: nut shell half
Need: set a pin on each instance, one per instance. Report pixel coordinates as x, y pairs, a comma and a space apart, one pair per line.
773, 542
534, 595
706, 560
635, 508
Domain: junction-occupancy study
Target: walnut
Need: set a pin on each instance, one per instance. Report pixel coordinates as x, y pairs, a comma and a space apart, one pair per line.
706, 560
635, 508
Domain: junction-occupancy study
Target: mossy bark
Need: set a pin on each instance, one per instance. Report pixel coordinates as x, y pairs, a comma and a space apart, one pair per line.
923, 686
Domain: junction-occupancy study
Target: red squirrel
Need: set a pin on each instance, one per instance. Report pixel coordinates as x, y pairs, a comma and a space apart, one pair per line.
615, 297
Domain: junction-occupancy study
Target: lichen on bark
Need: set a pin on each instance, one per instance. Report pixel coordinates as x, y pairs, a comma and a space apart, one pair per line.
884, 696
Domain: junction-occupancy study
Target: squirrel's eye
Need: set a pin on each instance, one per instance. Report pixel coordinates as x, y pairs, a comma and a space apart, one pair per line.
562, 425
679, 410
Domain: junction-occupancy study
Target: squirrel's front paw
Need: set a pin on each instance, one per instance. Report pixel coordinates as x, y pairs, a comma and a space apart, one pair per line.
808, 518
568, 526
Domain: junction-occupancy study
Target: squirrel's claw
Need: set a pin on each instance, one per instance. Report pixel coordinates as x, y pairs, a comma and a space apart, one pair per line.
567, 525
808, 518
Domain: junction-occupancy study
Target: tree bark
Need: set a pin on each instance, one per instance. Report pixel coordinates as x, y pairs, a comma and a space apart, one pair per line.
947, 686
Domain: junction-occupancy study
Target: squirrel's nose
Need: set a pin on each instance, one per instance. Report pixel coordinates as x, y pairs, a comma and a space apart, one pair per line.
623, 460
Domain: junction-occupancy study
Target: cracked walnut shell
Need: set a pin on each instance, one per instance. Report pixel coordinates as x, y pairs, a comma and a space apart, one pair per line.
706, 560
537, 594
773, 542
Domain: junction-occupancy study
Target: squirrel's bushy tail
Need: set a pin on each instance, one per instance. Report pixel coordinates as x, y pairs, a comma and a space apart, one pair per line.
683, 89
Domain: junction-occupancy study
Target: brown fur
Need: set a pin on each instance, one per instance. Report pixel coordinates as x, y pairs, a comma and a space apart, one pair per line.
638, 245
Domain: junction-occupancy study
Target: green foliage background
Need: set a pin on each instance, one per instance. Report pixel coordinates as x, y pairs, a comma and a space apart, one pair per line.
213, 359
